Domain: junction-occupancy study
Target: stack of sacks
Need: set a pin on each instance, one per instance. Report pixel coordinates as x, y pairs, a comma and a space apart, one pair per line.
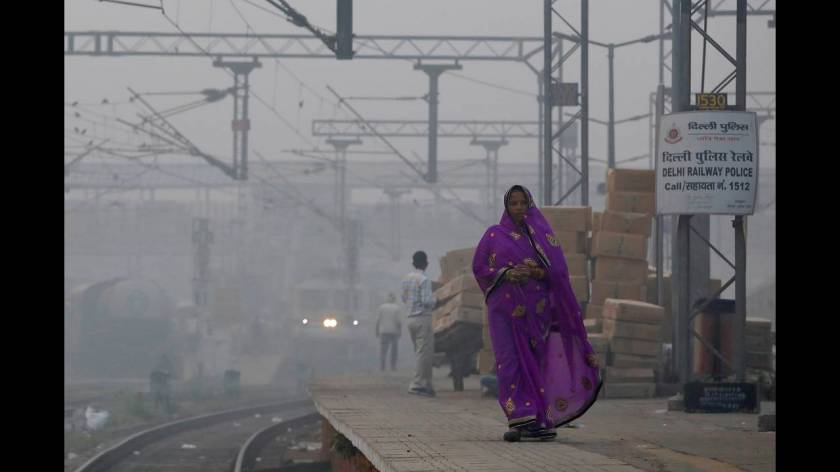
571, 225
632, 329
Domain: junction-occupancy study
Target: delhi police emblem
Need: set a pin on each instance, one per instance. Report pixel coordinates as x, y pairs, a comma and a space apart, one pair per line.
673, 135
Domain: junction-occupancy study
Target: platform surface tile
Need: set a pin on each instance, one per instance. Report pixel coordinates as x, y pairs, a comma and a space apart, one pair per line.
399, 432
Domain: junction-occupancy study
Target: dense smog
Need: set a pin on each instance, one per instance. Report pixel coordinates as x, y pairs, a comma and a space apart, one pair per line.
273, 207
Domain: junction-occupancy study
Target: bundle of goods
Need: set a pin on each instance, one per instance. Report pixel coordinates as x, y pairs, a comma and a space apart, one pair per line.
620, 241
632, 329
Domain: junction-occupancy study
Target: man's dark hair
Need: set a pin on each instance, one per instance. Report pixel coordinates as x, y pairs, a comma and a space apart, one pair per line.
419, 260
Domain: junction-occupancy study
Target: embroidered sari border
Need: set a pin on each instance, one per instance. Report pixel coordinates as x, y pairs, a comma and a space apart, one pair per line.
521, 421
496, 282
584, 408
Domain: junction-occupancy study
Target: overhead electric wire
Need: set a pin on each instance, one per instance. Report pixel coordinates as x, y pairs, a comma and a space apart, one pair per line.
170, 93
277, 62
105, 124
99, 124
294, 193
96, 104
158, 168
412, 165
296, 18
464, 77
271, 12
375, 98
247, 25
118, 188
465, 165
251, 92
81, 156
133, 4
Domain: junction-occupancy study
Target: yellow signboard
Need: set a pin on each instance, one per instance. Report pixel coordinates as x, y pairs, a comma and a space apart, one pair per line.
710, 101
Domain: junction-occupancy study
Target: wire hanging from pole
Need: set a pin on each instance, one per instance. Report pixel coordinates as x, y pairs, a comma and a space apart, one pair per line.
248, 28
375, 98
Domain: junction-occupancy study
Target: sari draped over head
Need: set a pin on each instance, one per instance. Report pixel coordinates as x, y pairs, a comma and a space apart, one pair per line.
536, 328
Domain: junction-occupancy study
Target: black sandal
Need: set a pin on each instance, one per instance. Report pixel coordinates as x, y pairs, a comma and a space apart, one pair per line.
542, 434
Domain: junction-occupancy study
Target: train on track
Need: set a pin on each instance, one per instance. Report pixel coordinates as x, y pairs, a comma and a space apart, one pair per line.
326, 335
119, 328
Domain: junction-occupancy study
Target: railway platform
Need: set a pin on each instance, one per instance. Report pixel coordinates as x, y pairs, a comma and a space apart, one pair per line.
461, 431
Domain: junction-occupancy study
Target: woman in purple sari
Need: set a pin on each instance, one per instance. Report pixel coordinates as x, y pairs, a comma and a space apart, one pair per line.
547, 370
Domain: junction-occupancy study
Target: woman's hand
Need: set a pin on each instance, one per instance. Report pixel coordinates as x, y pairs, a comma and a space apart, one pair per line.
534, 270
518, 274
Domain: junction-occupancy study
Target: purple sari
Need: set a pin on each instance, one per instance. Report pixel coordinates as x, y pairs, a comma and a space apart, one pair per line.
536, 328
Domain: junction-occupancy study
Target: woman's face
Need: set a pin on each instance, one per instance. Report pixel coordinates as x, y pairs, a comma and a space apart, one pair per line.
517, 206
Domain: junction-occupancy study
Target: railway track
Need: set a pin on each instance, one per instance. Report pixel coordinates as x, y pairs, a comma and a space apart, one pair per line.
213, 442
249, 453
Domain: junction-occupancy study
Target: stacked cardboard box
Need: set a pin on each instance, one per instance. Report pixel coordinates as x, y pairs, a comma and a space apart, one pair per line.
602, 349
465, 308
455, 263
616, 277
459, 284
633, 331
631, 190
570, 219
759, 343
620, 240
459, 300
601, 345
571, 226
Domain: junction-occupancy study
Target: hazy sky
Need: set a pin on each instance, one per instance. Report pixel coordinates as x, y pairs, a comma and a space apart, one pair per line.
89, 79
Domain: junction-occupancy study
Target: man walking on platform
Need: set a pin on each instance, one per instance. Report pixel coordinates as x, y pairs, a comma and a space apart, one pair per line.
417, 296
388, 330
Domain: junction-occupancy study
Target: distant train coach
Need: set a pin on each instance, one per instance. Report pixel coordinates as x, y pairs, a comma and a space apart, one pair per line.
119, 328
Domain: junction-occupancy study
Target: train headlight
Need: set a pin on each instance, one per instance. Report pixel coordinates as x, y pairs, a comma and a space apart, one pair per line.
355, 322
305, 321
330, 323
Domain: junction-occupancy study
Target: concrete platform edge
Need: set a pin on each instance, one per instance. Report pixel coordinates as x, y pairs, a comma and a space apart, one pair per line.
357, 441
